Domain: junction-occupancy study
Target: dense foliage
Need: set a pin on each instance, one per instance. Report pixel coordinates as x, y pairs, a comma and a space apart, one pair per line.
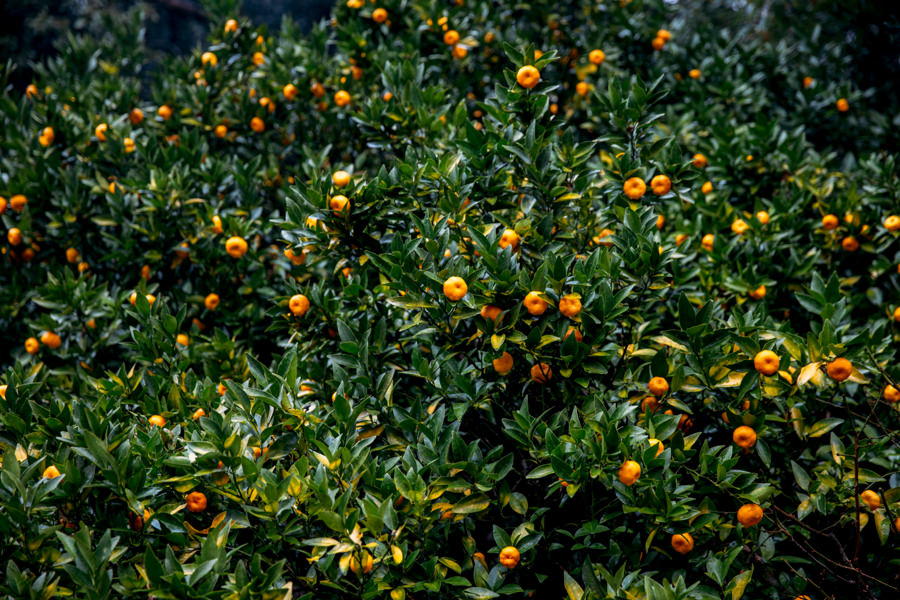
555, 300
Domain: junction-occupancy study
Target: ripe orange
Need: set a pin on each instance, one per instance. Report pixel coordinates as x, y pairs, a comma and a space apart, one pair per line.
661, 185
739, 226
182, 339
658, 386
257, 125
871, 499
236, 246
14, 236
51, 340
290, 91
339, 204
528, 76
100, 131
699, 161
341, 98
509, 557
509, 238
842, 105
596, 57
839, 369
759, 293
534, 304
635, 188
209, 59
50, 472
659, 445
211, 301
455, 288
318, 90
707, 187
680, 239
766, 362
850, 244
541, 373
504, 364
128, 144
451, 37
708, 241
763, 217
892, 223
629, 472
18, 202
299, 304
379, 15
297, 259
658, 43
744, 436
490, 312
258, 58
340, 178
364, 566
196, 502
582, 88
891, 394
198, 413
3, 389
749, 515
664, 35
682, 543
231, 26
830, 222
575, 332
807, 81
157, 421
570, 305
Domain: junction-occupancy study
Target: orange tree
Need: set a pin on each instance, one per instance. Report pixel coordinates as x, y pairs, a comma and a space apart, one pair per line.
536, 300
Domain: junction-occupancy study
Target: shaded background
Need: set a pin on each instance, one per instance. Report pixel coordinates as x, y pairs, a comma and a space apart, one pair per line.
30, 29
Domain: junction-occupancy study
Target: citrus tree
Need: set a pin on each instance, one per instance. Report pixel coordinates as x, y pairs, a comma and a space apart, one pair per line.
553, 300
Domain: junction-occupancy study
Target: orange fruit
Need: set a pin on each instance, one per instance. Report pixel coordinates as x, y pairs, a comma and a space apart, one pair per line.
891, 394
850, 244
14, 236
459, 52
480, 558
661, 185
658, 43
649, 403
541, 373
51, 340
708, 241
220, 132
3, 389
750, 514
707, 187
209, 59
363, 566
659, 445
582, 88
892, 223
658, 386
128, 144
570, 305
807, 81
635, 188
596, 57
198, 413
744, 436
50, 472
575, 332
257, 125
297, 259
528, 76
379, 15
694, 73
763, 217
339, 204
871, 499
509, 238
451, 37
18, 202
196, 502
739, 226
211, 301
766, 362
455, 288
157, 421
341, 98
680, 239
629, 472
842, 105
504, 364
318, 90
534, 304
340, 178
699, 161
298, 304
509, 557
490, 312
664, 35
682, 543
100, 131
830, 222
839, 369
236, 246
290, 91
759, 293
258, 58
182, 339
231, 26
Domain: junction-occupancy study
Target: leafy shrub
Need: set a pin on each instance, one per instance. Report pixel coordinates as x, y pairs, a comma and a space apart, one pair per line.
374, 312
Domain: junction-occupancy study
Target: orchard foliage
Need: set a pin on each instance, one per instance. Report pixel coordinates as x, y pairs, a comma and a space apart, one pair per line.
371, 312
